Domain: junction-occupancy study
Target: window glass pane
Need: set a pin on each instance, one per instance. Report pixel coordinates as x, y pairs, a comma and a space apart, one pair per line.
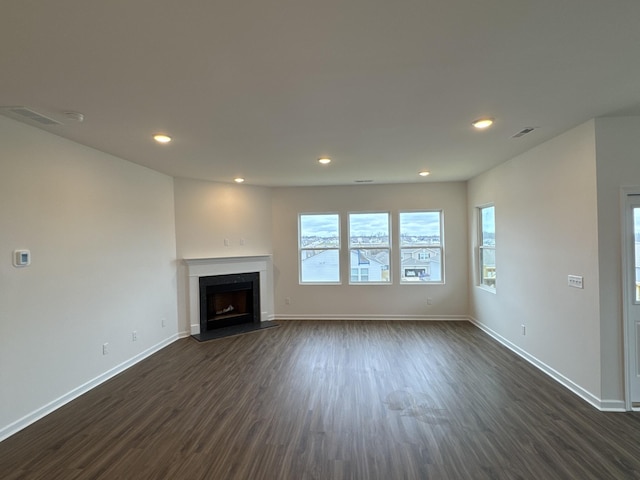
368, 229
488, 262
319, 241
421, 265
488, 225
319, 266
636, 230
320, 230
354, 274
421, 247
487, 250
419, 228
369, 265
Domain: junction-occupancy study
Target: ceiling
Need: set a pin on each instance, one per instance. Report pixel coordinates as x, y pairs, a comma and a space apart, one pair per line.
262, 88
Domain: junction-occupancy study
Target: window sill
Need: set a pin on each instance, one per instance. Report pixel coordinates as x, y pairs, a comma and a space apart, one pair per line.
487, 289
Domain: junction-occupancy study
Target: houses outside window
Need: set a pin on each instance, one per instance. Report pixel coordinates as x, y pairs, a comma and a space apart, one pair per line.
369, 247
319, 247
487, 246
421, 247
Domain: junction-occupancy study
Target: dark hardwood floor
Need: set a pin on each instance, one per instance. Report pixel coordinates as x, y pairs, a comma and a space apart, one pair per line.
330, 400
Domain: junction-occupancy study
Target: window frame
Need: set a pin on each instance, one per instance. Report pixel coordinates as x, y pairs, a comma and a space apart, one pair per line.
483, 279
440, 246
302, 249
387, 247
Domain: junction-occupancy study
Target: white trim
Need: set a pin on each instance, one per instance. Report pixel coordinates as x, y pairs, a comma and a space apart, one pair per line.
627, 333
612, 406
338, 249
602, 405
355, 316
486, 288
479, 247
37, 414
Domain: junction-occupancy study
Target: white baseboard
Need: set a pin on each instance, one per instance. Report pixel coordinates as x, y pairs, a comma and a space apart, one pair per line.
612, 406
36, 415
602, 405
350, 316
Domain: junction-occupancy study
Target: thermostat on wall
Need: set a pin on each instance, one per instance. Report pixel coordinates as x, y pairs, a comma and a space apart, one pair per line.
21, 258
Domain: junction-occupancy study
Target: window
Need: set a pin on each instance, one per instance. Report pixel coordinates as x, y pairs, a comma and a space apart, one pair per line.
487, 246
369, 248
319, 247
636, 234
421, 247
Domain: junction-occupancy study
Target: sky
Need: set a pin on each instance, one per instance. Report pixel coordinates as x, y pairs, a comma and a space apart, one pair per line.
420, 223
324, 225
489, 220
366, 224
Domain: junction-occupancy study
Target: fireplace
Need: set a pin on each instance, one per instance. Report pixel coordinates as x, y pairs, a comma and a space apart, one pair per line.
225, 268
229, 300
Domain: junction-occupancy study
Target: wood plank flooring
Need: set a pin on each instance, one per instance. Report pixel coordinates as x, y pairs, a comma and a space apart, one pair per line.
330, 400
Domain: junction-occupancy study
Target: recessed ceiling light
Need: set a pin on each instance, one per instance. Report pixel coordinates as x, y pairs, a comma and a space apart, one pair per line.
75, 116
161, 138
238, 179
483, 123
324, 160
424, 173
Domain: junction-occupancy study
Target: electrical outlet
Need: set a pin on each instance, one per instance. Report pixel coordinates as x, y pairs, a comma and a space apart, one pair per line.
287, 301
226, 242
134, 336
241, 242
105, 348
164, 322
524, 329
575, 281
429, 301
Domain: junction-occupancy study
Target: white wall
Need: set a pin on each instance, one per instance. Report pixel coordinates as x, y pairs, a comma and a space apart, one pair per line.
370, 301
546, 228
104, 243
618, 165
101, 235
207, 214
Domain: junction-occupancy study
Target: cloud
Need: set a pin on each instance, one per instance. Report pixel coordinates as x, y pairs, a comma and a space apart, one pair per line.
366, 224
420, 223
320, 225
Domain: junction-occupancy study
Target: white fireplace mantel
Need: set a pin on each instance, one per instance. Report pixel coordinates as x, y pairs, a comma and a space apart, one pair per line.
204, 267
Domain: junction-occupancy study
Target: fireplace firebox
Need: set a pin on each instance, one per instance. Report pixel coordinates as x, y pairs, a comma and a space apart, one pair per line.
229, 300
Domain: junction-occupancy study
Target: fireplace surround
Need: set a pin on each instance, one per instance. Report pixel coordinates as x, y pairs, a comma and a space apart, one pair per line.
196, 268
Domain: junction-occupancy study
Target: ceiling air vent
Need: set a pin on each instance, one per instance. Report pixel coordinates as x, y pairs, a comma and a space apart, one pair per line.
363, 181
24, 113
523, 132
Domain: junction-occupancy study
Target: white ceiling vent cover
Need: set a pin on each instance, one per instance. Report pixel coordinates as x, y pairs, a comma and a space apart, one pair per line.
523, 132
26, 114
